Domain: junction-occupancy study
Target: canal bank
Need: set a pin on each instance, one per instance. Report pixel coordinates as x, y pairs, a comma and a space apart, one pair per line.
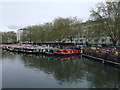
105, 56
103, 61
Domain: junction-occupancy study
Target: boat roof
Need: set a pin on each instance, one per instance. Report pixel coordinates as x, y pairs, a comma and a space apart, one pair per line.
67, 49
56, 49
81, 45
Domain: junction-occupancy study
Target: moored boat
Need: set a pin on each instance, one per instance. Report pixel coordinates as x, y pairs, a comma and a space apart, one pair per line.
52, 51
26, 48
67, 52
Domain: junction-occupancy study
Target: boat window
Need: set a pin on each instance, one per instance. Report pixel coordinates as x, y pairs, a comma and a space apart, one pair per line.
69, 51
37, 50
74, 51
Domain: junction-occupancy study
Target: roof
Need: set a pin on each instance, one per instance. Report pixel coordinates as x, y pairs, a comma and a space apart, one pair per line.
68, 49
81, 45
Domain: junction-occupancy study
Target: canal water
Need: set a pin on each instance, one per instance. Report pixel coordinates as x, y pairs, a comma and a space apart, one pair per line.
42, 71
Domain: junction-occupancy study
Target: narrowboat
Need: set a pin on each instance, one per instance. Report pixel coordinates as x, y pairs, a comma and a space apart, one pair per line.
67, 52
52, 51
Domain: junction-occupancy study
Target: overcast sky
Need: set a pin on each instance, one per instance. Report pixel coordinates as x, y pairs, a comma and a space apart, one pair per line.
16, 15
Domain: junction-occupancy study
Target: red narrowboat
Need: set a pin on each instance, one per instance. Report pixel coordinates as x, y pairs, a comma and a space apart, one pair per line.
67, 52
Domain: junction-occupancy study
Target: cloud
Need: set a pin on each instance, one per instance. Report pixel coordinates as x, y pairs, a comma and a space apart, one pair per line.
6, 29
14, 27
51, 0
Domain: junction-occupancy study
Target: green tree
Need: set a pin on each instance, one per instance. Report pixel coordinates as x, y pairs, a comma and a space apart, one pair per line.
91, 31
47, 32
59, 28
107, 19
1, 37
9, 37
75, 29
66, 28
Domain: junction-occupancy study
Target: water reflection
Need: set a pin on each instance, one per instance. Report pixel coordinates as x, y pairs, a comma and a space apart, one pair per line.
0, 75
64, 69
71, 69
102, 75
